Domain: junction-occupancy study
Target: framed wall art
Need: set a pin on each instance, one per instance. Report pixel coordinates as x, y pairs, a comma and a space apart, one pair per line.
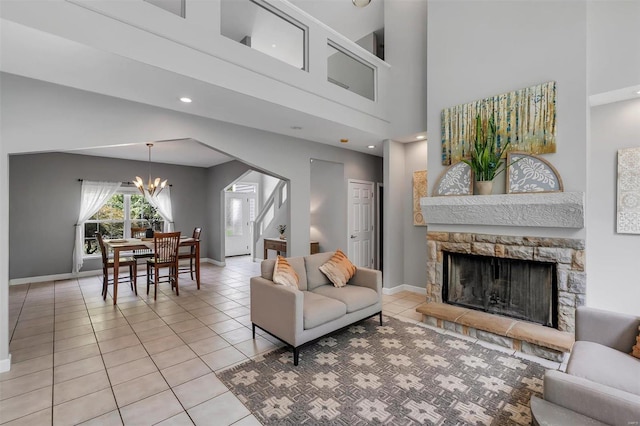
525, 117
419, 191
456, 179
628, 212
530, 173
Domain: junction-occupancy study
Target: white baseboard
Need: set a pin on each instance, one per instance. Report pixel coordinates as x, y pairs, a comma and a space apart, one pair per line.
213, 262
56, 277
5, 364
404, 287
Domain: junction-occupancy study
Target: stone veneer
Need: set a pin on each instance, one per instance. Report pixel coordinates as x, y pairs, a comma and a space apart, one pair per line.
568, 254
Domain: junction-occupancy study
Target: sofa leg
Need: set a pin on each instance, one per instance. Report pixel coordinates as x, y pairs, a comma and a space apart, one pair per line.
380, 313
296, 355
253, 329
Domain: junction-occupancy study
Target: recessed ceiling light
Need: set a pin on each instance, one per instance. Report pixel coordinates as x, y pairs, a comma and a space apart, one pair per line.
185, 100
638, 92
371, 146
344, 140
420, 137
273, 45
296, 128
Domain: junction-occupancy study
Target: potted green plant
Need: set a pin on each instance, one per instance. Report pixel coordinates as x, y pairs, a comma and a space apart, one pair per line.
486, 159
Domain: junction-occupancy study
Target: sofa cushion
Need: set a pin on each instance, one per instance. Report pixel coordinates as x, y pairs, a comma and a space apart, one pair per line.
284, 274
297, 263
635, 350
319, 310
338, 269
315, 278
353, 296
604, 365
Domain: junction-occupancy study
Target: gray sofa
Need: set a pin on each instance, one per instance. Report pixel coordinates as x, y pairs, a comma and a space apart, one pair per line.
602, 380
302, 316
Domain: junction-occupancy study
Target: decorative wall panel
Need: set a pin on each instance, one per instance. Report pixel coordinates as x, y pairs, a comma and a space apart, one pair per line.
629, 191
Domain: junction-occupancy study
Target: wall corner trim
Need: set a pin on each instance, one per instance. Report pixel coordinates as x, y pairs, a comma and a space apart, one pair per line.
213, 262
5, 364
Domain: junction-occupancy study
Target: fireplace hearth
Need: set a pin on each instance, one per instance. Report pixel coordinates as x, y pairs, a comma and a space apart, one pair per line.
521, 289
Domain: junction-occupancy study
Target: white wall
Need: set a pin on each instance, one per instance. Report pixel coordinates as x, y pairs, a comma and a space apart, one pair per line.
613, 267
614, 45
482, 48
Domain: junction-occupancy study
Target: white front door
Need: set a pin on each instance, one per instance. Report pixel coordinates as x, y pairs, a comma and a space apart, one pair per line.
361, 223
237, 223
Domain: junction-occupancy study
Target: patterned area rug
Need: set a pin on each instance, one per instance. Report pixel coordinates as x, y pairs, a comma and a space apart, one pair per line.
397, 374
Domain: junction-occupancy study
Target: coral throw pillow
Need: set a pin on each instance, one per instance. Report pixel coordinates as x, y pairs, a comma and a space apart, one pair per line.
284, 274
636, 348
338, 269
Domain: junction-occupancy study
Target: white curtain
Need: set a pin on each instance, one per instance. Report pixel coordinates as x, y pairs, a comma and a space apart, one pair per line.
162, 203
93, 195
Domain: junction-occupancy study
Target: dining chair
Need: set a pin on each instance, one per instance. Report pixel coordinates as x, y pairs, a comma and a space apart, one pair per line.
142, 253
191, 255
165, 255
107, 263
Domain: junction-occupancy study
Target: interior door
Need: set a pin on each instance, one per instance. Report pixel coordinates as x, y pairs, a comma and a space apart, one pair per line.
361, 223
237, 223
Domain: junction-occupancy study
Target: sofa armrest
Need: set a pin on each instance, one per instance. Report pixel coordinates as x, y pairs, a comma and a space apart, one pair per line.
370, 278
617, 331
277, 309
600, 402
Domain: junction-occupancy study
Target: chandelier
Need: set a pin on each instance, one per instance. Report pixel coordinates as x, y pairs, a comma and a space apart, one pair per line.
154, 187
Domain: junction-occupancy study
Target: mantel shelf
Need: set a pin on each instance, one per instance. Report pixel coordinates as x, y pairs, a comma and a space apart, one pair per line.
554, 210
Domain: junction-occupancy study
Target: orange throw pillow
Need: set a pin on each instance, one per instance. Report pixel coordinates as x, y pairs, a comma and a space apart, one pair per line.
338, 269
284, 274
636, 348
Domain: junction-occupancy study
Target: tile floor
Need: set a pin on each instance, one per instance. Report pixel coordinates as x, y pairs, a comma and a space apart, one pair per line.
77, 359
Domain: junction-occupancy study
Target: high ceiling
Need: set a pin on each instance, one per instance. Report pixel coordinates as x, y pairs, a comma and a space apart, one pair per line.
40, 55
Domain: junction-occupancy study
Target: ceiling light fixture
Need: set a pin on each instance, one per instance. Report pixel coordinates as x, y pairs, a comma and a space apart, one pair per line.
344, 140
420, 137
296, 128
371, 146
360, 3
154, 187
185, 100
273, 45
638, 92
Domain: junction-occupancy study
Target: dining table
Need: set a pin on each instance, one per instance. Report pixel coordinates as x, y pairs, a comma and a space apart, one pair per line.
129, 244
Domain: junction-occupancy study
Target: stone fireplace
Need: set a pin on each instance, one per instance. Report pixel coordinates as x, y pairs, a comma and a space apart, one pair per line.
564, 254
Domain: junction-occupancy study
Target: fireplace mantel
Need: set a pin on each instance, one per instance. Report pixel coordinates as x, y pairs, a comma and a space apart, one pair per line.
554, 210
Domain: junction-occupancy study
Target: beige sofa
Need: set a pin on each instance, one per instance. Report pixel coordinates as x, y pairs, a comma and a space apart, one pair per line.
602, 381
301, 316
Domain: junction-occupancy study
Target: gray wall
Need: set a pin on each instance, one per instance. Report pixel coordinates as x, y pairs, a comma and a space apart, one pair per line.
613, 269
44, 201
405, 41
328, 196
415, 237
394, 214
469, 58
218, 178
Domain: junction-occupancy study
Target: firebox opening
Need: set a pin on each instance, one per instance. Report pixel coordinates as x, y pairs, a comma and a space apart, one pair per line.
516, 288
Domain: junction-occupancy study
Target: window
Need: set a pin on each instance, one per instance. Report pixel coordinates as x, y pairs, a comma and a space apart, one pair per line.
262, 27
116, 218
350, 72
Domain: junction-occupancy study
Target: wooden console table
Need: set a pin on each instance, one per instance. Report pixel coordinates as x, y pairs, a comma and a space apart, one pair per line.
280, 246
